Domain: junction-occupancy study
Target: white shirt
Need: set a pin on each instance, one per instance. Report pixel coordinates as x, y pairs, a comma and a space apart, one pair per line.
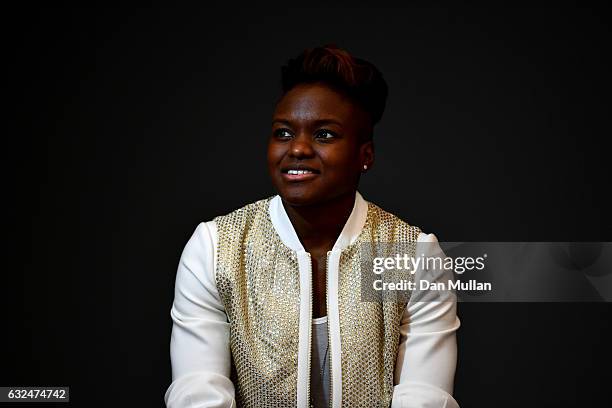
199, 346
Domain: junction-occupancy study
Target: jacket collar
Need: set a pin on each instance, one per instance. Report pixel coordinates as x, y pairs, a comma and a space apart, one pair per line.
353, 226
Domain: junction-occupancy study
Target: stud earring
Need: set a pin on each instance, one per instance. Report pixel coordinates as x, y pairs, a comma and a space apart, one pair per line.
365, 166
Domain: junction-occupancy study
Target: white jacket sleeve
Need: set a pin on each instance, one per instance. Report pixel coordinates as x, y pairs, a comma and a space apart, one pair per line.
199, 346
427, 356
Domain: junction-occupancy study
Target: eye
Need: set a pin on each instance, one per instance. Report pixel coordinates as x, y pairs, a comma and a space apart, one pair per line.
282, 133
325, 134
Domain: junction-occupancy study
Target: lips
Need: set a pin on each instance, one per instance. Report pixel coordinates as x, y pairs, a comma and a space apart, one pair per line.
299, 173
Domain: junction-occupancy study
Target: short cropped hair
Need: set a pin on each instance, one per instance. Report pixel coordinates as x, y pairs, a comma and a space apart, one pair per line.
355, 77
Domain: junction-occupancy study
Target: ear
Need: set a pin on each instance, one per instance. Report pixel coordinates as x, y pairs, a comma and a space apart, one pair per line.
366, 155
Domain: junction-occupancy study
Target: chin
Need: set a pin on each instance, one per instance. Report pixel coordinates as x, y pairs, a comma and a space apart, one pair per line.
297, 200
295, 197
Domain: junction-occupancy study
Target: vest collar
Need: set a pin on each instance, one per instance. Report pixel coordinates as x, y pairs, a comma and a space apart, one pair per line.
353, 226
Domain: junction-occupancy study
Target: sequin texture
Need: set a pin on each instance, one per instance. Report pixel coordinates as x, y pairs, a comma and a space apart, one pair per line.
258, 280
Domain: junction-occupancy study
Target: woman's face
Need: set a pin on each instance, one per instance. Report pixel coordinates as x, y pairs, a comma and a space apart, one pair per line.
316, 151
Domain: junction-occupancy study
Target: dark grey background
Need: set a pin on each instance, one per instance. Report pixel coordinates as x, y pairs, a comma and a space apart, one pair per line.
133, 125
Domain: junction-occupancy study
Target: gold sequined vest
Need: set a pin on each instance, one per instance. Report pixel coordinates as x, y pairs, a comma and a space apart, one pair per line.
258, 280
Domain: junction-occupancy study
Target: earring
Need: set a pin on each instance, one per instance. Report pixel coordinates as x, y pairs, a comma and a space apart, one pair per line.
365, 166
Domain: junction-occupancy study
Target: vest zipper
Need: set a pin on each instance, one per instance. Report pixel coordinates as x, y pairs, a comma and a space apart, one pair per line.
309, 333
331, 377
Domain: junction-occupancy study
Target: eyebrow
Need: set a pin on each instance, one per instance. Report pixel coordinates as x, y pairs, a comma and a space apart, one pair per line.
317, 122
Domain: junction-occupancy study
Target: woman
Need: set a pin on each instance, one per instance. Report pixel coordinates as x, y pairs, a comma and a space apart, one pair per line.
267, 309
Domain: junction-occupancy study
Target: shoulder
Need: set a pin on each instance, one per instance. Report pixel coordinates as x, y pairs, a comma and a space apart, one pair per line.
204, 238
389, 221
244, 214
201, 245
427, 242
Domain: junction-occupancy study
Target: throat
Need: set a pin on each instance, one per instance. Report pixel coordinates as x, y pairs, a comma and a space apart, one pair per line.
319, 226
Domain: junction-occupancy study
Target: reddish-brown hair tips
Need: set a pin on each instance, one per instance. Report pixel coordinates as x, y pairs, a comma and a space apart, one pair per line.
356, 77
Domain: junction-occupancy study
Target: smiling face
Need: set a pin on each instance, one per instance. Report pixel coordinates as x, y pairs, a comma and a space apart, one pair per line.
317, 149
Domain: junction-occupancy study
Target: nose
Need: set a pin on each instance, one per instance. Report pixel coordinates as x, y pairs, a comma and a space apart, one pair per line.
301, 147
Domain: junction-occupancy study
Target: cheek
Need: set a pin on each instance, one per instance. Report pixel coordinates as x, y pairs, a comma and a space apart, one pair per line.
275, 153
342, 162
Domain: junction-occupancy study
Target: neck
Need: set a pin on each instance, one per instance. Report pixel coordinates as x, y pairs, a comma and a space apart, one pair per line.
318, 226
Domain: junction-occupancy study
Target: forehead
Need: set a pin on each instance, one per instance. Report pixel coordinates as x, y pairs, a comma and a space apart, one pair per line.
306, 102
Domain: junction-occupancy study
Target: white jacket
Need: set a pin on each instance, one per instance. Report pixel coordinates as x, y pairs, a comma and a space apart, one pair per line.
199, 347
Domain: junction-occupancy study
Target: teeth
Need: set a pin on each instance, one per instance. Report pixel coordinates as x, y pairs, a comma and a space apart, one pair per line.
296, 172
